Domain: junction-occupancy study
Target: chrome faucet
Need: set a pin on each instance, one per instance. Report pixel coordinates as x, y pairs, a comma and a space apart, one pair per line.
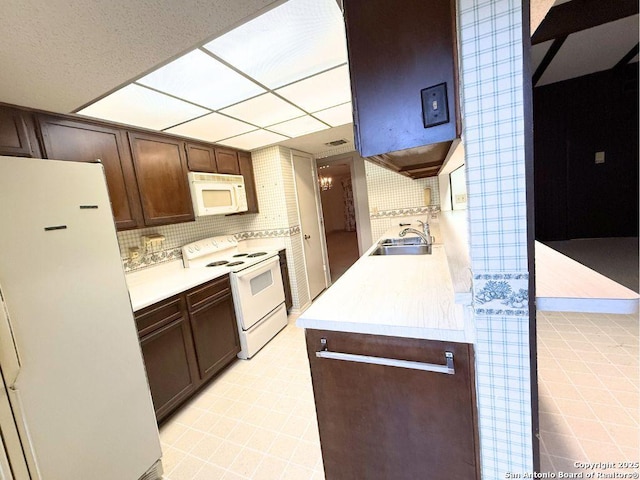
425, 238
426, 229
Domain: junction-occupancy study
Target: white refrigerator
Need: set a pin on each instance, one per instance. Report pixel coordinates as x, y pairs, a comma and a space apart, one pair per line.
74, 398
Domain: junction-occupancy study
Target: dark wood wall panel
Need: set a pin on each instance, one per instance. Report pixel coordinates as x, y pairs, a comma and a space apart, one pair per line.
574, 119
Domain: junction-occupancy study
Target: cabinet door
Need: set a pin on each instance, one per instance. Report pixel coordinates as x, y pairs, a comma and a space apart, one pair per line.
227, 161
215, 333
201, 158
17, 134
381, 422
246, 170
415, 48
170, 365
87, 142
161, 170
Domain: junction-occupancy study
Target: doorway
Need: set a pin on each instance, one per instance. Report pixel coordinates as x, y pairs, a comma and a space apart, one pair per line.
338, 209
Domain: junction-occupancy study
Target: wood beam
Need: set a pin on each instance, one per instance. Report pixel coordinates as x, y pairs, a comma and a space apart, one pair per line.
548, 57
578, 15
627, 58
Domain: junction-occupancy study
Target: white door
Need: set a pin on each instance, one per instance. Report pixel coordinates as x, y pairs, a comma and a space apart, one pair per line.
312, 231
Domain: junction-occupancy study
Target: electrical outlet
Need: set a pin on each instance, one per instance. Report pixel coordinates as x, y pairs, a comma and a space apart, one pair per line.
461, 198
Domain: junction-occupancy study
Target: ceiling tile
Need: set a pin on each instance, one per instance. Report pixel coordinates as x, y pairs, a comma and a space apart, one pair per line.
299, 126
211, 128
321, 91
295, 40
139, 106
199, 78
592, 50
335, 116
264, 110
253, 140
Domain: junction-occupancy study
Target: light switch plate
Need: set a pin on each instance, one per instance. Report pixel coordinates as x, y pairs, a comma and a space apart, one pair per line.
435, 108
599, 157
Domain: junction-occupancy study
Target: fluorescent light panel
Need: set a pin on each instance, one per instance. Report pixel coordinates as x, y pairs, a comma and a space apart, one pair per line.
264, 110
253, 140
139, 106
299, 126
295, 40
335, 116
203, 80
211, 128
321, 91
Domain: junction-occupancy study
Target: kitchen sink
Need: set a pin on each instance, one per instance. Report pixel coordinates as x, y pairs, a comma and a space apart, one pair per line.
401, 241
420, 249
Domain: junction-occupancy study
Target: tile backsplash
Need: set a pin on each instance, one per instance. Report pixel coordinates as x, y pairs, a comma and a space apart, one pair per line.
393, 196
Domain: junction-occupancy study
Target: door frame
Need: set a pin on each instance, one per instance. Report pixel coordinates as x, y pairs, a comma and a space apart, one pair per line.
360, 195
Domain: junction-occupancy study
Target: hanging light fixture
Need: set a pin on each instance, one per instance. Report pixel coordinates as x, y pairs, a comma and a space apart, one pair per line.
325, 183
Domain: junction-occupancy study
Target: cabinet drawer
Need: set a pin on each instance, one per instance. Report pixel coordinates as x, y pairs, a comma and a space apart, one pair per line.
159, 314
199, 296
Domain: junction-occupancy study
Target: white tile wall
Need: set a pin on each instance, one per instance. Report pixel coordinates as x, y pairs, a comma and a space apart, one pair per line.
490, 39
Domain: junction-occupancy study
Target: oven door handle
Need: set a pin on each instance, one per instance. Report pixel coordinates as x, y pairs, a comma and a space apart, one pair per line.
264, 266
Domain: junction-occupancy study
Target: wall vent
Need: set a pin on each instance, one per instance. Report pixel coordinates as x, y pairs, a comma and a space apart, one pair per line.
336, 143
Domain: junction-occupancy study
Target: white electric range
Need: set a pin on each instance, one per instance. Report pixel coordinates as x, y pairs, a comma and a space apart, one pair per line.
256, 286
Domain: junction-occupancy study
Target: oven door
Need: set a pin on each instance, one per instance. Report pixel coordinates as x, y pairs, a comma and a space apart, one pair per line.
257, 291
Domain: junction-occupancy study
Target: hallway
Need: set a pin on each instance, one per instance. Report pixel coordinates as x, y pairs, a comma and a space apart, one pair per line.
342, 248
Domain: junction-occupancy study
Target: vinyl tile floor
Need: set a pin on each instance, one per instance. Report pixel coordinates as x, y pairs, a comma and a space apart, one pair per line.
254, 421
257, 419
588, 383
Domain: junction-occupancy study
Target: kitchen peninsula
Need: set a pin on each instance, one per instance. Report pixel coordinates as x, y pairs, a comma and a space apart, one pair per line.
390, 346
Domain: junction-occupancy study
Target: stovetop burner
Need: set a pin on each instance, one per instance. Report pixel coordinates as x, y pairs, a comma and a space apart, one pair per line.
233, 264
240, 255
257, 254
218, 263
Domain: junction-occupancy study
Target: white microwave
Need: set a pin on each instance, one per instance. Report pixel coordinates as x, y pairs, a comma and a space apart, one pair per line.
217, 194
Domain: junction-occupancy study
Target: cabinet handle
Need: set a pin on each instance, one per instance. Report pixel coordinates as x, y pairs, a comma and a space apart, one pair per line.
448, 368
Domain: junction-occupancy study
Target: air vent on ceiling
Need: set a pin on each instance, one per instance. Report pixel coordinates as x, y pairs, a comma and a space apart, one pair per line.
335, 143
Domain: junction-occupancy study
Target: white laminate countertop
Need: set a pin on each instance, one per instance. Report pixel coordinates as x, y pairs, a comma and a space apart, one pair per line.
396, 295
562, 284
154, 284
429, 296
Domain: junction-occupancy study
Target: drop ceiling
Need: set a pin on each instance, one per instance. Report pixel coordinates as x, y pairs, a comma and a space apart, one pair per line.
279, 76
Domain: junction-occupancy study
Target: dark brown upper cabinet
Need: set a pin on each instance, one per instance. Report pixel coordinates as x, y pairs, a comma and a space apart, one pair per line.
79, 141
415, 49
201, 158
17, 133
161, 170
227, 161
246, 170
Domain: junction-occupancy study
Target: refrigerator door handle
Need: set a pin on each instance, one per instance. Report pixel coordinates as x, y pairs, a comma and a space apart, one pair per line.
8, 353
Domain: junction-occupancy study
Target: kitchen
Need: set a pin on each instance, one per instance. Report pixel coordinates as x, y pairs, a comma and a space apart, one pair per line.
278, 178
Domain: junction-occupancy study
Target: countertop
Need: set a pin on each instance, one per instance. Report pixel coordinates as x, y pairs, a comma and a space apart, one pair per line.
429, 296
153, 284
414, 296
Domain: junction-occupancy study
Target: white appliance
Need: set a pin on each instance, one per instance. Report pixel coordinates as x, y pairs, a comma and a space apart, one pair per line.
256, 286
217, 194
74, 398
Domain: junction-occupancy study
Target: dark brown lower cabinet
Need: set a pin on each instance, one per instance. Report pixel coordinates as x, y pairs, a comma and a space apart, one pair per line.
384, 422
185, 341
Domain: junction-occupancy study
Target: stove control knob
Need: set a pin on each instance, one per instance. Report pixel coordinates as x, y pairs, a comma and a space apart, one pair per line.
190, 250
197, 247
